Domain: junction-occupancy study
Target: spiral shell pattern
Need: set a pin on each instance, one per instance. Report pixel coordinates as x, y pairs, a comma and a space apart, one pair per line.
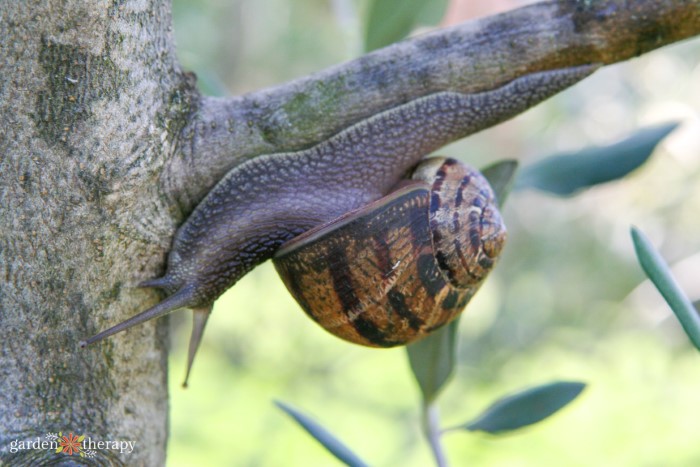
386, 274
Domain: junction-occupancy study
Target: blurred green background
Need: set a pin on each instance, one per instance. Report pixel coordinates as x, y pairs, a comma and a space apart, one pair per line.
567, 301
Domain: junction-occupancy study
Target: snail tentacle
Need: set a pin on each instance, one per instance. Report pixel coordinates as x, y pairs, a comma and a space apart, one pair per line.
179, 299
200, 316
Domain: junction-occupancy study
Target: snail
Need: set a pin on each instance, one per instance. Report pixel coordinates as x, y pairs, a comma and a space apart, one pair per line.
391, 272
270, 199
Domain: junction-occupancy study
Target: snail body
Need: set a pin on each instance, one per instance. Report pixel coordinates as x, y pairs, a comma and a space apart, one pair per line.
391, 272
264, 202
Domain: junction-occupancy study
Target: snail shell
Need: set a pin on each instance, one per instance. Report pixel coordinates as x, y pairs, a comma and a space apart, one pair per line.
391, 272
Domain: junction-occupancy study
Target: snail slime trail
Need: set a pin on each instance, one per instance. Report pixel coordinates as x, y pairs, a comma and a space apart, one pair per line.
241, 222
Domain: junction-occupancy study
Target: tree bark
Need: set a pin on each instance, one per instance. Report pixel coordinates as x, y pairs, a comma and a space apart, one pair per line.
106, 147
92, 104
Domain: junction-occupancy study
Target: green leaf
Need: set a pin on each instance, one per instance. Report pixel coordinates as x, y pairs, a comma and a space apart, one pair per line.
525, 408
432, 360
323, 436
565, 174
501, 176
658, 272
430, 12
388, 21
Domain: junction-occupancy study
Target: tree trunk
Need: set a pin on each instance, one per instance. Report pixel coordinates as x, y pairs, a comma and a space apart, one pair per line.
92, 104
106, 147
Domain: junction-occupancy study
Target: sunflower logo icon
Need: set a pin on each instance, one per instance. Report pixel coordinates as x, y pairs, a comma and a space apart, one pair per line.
70, 444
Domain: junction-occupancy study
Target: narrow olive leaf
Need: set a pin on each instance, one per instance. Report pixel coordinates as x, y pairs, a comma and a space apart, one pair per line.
501, 176
565, 174
524, 408
388, 21
323, 436
432, 360
658, 272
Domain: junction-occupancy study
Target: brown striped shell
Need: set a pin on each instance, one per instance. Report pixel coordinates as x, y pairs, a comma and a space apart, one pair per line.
391, 272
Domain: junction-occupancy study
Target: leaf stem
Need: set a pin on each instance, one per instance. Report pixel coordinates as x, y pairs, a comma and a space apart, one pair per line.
431, 430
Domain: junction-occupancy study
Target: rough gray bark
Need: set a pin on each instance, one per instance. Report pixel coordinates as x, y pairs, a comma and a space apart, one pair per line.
106, 148
92, 103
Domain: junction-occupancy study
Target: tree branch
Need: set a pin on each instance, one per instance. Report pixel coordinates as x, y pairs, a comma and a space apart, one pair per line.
469, 58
